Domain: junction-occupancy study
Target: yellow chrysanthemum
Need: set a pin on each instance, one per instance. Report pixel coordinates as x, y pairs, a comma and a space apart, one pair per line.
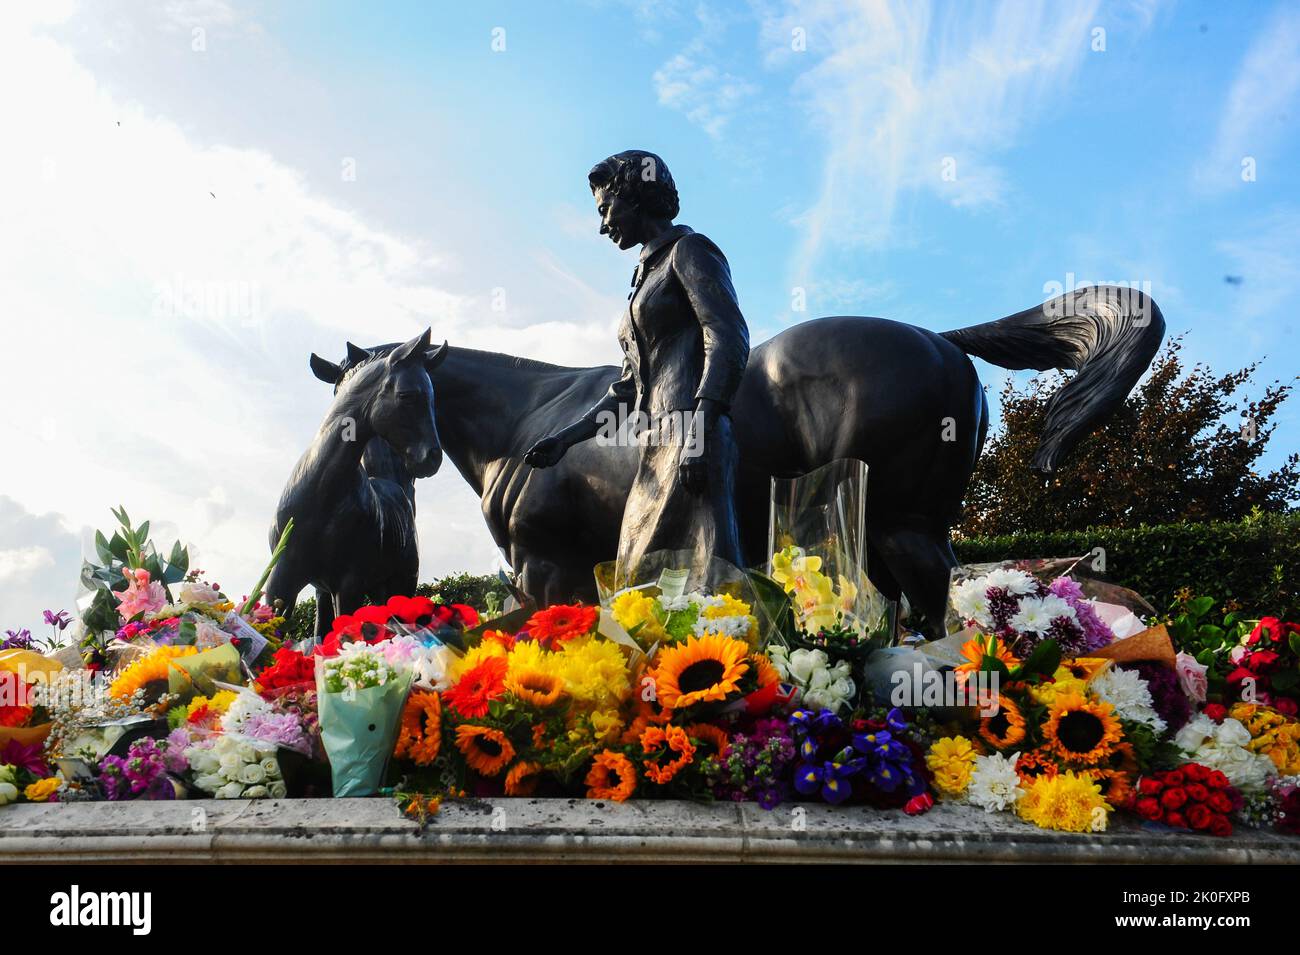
606, 725
1064, 683
594, 671
633, 610
531, 657
149, 669
732, 607
951, 760
1066, 801
1272, 733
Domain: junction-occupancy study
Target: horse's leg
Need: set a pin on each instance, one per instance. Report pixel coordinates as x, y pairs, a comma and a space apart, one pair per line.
351, 595
920, 558
324, 612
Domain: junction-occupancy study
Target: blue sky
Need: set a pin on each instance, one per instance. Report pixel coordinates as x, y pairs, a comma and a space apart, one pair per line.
153, 157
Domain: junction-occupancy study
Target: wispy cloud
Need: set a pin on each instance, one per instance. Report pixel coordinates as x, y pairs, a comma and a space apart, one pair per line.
908, 97
694, 82
1259, 108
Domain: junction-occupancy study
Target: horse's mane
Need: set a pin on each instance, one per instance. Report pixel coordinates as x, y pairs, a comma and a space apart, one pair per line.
491, 358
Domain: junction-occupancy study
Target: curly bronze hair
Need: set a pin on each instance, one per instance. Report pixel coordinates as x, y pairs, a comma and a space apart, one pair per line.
640, 176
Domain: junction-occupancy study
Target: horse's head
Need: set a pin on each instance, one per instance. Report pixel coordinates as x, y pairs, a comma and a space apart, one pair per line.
394, 386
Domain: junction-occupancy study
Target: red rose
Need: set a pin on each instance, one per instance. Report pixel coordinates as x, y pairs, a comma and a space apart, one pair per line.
1286, 706
1216, 711
1220, 826
1150, 787
1174, 798
1267, 629
1149, 809
1262, 661
1177, 820
1196, 773
1197, 792
1174, 777
1220, 802
1217, 780
1199, 815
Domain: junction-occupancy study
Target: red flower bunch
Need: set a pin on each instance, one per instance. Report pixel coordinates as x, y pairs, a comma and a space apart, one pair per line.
15, 698
1271, 663
554, 625
376, 623
477, 688
1191, 797
290, 668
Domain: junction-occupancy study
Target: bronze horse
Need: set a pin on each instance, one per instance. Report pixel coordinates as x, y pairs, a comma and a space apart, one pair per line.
905, 400
354, 528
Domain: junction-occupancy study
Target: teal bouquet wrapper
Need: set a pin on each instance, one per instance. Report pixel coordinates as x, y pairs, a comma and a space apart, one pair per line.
358, 721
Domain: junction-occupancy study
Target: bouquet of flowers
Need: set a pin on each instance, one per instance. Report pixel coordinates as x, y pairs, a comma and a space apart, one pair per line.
1193, 797
236, 767
871, 759
360, 694
1267, 666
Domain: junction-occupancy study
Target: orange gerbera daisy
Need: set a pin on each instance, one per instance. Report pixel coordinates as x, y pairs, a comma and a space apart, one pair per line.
657, 742
715, 737
763, 668
535, 687
1080, 731
523, 778
478, 687
419, 736
700, 669
977, 649
612, 776
1006, 727
554, 625
487, 750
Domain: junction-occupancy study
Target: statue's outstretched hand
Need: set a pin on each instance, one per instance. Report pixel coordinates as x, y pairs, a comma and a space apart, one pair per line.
546, 453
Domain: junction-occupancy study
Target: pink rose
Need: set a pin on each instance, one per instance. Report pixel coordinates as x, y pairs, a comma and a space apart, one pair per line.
1191, 677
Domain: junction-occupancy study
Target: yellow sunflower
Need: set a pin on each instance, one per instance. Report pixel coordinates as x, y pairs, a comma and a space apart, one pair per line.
147, 672
1080, 731
1006, 727
487, 750
535, 686
763, 668
702, 669
714, 737
612, 776
522, 779
419, 735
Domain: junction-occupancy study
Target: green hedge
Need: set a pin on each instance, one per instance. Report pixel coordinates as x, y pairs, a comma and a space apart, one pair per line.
1256, 562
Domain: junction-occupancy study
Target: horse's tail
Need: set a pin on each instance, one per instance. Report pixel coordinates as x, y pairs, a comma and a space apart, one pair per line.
1106, 333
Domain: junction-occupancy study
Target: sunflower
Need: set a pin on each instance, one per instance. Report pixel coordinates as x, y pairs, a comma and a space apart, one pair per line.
554, 625
539, 735
612, 776
977, 649
1085, 668
1116, 785
702, 669
522, 779
147, 673
1080, 731
478, 687
715, 737
1006, 727
659, 741
1033, 763
535, 687
487, 750
419, 735
766, 672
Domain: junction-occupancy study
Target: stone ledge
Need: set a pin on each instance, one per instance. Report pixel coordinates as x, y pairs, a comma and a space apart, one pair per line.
299, 831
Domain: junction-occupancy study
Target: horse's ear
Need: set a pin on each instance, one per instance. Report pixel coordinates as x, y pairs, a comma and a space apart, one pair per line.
416, 346
326, 371
357, 354
434, 356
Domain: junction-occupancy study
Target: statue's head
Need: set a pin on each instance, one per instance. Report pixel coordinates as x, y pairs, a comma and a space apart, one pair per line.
394, 386
631, 189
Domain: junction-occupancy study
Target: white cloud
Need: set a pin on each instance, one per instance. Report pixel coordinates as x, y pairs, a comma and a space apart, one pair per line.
1259, 101
902, 92
693, 82
21, 563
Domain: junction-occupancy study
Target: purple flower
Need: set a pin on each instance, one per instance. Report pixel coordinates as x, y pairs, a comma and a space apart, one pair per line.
142, 772
23, 757
17, 640
59, 620
1167, 696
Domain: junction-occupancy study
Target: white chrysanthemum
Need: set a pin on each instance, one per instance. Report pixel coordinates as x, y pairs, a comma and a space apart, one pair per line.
1129, 694
1032, 617
970, 599
737, 626
1013, 581
994, 782
1055, 606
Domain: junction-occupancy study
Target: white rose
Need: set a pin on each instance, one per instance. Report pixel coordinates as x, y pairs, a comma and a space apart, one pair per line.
8, 793
271, 767
209, 782
278, 790
230, 765
256, 792
252, 774
1232, 733
229, 791
247, 754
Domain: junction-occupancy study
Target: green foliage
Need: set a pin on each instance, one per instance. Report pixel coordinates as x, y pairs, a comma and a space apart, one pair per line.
1255, 562
1183, 447
128, 549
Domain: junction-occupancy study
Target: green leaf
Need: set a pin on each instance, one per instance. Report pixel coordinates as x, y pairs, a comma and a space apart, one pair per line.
1207, 631
1294, 641
1286, 680
1200, 606
1043, 659
142, 534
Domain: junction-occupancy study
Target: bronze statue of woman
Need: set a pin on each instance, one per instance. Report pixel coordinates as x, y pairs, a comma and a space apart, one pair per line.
685, 346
